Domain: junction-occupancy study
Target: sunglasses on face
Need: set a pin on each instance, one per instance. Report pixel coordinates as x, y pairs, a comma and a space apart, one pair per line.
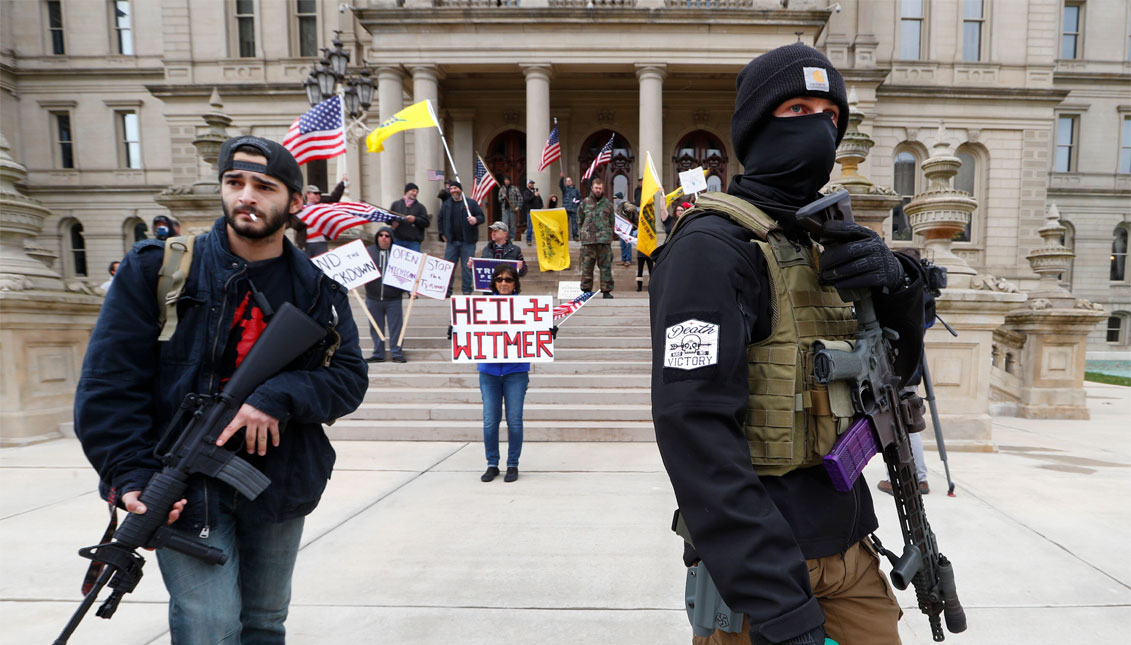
507, 280
384, 235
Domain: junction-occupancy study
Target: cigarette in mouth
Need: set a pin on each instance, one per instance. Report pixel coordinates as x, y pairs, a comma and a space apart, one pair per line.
253, 217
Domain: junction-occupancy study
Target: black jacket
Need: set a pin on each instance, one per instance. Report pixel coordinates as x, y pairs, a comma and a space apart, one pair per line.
753, 533
410, 232
453, 220
131, 385
376, 289
505, 251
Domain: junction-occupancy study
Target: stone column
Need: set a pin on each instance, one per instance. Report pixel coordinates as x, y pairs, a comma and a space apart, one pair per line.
651, 79
537, 124
871, 204
429, 151
390, 95
44, 324
462, 143
1056, 326
973, 304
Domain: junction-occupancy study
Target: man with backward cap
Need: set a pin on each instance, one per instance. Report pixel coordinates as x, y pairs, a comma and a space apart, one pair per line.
739, 295
243, 270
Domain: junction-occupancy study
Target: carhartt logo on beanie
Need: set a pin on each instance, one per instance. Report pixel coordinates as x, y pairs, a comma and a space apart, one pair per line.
778, 75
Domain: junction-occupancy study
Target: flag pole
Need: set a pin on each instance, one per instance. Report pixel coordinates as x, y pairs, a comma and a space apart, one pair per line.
342, 164
448, 152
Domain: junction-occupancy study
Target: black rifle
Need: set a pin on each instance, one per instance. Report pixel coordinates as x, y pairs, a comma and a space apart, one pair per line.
868, 370
288, 336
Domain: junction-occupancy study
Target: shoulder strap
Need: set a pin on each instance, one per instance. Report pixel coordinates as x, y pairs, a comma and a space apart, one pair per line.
171, 281
739, 210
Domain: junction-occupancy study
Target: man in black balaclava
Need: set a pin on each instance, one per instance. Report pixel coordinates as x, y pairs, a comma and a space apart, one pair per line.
737, 301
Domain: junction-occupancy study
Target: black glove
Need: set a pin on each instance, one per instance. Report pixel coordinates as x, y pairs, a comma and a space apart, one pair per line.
449, 332
856, 258
554, 331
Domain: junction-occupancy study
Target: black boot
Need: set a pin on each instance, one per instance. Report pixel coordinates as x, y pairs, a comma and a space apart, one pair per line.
492, 473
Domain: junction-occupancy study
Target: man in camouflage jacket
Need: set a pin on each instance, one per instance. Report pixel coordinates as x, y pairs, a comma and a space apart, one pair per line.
595, 224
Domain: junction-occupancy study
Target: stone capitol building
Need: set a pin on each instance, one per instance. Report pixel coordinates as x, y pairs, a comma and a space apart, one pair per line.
101, 102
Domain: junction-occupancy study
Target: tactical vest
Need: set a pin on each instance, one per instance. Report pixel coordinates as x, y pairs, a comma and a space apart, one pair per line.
791, 421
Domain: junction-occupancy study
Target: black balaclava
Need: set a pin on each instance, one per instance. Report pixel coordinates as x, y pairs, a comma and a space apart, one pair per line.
786, 160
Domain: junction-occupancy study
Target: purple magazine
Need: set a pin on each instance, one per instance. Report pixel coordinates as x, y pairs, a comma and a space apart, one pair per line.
851, 453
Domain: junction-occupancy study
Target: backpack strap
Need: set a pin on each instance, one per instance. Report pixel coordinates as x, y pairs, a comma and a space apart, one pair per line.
171, 280
739, 210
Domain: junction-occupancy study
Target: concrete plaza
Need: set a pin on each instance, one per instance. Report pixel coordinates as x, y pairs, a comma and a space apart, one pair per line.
409, 547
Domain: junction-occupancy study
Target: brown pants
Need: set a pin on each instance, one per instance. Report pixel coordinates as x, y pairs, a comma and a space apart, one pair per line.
860, 608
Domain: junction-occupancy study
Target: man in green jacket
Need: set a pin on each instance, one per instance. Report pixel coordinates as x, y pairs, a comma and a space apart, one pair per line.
595, 224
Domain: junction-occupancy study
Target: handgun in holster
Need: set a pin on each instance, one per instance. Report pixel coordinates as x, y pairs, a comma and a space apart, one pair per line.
706, 610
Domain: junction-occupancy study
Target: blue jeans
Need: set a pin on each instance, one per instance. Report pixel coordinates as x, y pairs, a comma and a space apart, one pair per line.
572, 217
460, 253
494, 389
510, 219
529, 228
415, 246
385, 311
625, 251
245, 600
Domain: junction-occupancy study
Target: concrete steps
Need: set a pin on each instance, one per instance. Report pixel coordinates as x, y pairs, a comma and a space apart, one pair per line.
597, 389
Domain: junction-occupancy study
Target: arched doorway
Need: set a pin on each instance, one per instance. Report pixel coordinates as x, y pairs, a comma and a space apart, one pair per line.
618, 174
701, 148
505, 156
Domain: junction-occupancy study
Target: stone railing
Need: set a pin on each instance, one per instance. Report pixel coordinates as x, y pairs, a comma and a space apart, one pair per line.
592, 3
477, 3
1005, 371
709, 4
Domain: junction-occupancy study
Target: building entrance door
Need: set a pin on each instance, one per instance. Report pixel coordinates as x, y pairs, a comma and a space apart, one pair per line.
618, 173
506, 156
701, 148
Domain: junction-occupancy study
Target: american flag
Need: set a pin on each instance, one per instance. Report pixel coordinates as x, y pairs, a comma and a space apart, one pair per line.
484, 181
318, 134
331, 219
552, 152
563, 311
605, 156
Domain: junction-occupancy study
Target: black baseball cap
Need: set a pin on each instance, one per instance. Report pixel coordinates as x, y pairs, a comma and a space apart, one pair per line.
281, 163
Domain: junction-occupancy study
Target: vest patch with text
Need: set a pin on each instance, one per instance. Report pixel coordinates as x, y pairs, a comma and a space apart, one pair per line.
691, 344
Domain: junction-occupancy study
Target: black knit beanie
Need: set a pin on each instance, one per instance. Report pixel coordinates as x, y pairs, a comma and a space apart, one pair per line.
778, 75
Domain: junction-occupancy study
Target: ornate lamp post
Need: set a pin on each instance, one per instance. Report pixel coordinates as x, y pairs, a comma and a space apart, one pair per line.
330, 75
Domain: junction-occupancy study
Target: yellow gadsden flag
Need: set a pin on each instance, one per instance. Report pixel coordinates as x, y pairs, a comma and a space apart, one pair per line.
551, 234
419, 115
646, 226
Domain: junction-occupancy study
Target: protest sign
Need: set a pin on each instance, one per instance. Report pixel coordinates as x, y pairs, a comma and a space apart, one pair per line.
434, 277
349, 265
624, 229
569, 289
693, 181
502, 329
403, 267
482, 268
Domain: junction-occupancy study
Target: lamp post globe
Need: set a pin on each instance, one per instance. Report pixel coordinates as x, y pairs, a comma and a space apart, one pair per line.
365, 89
339, 59
325, 78
313, 93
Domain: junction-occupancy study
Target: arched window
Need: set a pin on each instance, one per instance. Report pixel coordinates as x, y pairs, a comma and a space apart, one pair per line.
74, 249
133, 231
1119, 254
1117, 328
617, 173
967, 181
905, 171
701, 149
1068, 241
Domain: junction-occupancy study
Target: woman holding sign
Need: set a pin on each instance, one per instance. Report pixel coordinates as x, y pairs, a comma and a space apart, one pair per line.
499, 381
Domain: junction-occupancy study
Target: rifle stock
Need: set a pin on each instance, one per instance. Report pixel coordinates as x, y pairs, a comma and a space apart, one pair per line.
289, 334
868, 370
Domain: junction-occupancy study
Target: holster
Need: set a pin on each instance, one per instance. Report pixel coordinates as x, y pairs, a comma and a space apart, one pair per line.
706, 610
